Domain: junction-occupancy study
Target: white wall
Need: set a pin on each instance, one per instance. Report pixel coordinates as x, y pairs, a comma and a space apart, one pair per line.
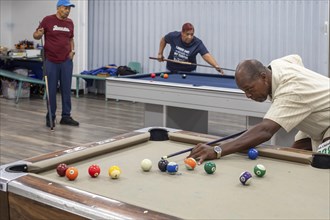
131, 29
20, 18
232, 30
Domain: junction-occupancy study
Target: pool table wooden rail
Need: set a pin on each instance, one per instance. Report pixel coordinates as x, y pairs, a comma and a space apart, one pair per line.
77, 201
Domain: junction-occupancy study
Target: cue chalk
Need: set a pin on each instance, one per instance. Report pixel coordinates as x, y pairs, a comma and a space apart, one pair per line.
209, 143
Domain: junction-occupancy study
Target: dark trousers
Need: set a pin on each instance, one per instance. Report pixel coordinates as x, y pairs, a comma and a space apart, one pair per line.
59, 74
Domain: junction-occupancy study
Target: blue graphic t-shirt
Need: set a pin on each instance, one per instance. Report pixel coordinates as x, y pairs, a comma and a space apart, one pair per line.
183, 52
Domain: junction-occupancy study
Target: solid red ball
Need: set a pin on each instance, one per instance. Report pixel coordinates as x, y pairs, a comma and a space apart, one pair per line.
94, 170
61, 169
153, 75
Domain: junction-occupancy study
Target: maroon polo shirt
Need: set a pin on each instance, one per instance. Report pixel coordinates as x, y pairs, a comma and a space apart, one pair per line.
57, 38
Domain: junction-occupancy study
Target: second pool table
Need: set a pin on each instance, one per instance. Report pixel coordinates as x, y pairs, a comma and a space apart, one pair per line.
185, 103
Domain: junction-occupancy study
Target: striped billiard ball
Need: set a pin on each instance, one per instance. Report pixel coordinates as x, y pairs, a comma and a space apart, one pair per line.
259, 170
245, 178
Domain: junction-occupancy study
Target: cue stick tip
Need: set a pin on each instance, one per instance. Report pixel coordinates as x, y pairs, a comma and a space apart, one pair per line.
163, 157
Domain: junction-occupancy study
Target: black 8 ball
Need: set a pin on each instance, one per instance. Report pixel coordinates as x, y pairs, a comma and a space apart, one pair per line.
162, 165
184, 76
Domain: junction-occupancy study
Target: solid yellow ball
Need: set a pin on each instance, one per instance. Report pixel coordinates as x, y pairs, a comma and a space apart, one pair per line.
114, 172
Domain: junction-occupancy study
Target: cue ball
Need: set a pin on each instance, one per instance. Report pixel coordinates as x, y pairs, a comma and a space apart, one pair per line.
190, 163
210, 167
153, 75
162, 165
253, 153
259, 170
184, 76
94, 170
146, 165
165, 76
172, 167
71, 173
114, 172
245, 178
61, 169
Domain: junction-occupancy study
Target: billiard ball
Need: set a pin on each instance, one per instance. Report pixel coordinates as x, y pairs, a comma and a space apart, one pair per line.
245, 178
146, 165
153, 75
210, 167
190, 163
94, 170
259, 170
184, 76
172, 167
253, 153
162, 75
162, 165
61, 169
165, 76
114, 172
71, 173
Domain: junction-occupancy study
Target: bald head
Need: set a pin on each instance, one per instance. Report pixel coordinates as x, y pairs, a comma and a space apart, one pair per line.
248, 70
254, 79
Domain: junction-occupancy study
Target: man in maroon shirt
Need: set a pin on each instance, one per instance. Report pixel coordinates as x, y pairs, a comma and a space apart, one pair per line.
59, 51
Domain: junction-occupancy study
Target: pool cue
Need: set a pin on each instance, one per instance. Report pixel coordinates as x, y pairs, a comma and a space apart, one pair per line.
189, 63
46, 87
209, 143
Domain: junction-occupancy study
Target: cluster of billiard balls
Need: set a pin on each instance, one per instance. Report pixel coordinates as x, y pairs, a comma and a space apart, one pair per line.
165, 75
246, 177
172, 167
94, 171
259, 169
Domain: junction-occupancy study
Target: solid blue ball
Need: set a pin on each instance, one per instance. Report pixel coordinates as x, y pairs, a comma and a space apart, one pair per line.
253, 153
172, 167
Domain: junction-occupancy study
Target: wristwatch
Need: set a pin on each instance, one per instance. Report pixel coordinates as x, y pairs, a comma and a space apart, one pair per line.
218, 150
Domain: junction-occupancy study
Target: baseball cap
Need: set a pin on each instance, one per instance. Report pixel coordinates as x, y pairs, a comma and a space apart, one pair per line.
64, 3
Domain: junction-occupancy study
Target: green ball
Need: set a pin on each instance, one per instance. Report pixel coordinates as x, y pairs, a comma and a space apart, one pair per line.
260, 170
162, 75
210, 167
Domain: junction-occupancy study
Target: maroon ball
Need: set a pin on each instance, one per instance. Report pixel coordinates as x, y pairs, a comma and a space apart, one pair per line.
61, 169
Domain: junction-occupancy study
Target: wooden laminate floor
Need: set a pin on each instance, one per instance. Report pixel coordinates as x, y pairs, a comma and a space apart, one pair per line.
23, 132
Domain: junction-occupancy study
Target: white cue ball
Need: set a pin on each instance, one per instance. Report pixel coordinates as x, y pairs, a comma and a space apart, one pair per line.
146, 165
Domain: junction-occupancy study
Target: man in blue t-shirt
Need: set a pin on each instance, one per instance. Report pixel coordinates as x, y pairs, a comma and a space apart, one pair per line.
185, 47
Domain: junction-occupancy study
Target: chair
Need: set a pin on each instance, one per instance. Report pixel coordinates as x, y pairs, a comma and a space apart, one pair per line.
135, 66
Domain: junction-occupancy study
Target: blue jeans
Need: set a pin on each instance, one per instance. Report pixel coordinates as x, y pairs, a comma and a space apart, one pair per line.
59, 73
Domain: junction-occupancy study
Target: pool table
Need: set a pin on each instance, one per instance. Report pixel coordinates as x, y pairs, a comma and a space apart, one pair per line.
291, 188
184, 103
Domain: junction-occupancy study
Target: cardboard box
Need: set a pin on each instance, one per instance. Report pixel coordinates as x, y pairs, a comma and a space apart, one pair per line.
10, 88
32, 53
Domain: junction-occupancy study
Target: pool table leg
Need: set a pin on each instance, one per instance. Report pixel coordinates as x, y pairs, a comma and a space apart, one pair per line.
175, 117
